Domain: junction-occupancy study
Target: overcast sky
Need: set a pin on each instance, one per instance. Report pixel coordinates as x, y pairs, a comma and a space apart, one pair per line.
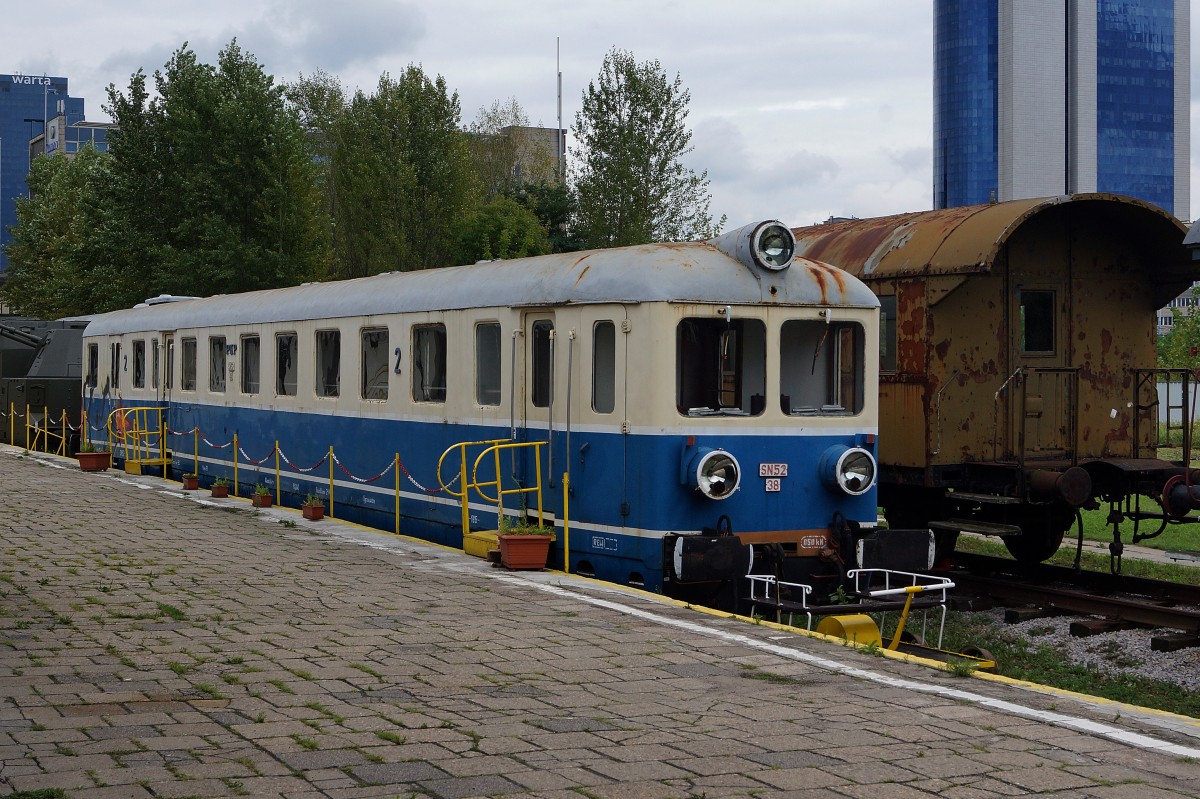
800, 110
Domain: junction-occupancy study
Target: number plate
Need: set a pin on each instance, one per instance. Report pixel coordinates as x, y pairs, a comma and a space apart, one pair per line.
772, 470
772, 484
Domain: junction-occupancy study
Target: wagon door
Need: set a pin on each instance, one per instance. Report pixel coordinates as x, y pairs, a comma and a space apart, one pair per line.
542, 411
1042, 390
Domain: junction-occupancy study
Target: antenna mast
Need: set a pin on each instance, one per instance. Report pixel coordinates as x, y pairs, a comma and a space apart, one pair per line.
562, 144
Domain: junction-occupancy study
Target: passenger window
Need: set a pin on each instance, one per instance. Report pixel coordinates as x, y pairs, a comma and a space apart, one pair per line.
285, 364
329, 363
888, 343
93, 364
115, 353
429, 363
154, 363
250, 364
721, 367
821, 367
139, 364
543, 362
375, 364
488, 364
188, 381
604, 367
1037, 322
216, 364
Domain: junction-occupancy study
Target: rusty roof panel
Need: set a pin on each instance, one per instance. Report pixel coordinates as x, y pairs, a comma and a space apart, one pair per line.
961, 240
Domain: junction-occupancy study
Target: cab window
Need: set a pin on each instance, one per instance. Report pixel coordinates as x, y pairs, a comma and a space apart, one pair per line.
721, 367
821, 367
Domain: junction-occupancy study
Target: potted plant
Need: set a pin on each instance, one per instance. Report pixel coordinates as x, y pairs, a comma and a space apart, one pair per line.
313, 508
524, 544
262, 497
191, 481
220, 488
92, 458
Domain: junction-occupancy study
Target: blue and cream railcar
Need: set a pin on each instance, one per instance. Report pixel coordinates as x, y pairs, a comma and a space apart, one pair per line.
682, 388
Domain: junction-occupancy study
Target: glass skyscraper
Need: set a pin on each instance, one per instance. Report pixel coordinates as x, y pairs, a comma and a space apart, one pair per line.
1034, 99
28, 104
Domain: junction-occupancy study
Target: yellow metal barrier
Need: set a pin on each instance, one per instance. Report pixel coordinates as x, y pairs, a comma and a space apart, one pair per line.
39, 436
139, 435
480, 542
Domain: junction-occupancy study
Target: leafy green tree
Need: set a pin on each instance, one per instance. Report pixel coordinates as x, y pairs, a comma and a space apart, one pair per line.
504, 228
400, 177
57, 260
213, 183
554, 204
631, 133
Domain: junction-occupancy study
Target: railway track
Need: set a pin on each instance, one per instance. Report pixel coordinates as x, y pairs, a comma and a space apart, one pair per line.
1056, 589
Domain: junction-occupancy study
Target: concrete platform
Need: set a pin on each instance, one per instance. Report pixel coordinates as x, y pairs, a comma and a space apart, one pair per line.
154, 645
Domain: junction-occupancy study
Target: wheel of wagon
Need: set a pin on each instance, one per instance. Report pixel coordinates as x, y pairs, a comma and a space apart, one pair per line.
1044, 530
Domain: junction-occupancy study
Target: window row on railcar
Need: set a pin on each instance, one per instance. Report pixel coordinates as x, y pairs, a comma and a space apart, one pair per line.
232, 365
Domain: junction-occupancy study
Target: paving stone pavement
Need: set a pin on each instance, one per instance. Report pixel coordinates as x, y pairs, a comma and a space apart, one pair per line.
155, 646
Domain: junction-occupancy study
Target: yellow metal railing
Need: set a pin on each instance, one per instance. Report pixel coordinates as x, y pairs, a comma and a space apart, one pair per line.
39, 435
140, 434
493, 447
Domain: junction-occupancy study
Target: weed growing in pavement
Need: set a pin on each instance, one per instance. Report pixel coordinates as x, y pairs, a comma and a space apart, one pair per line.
307, 743
960, 667
389, 736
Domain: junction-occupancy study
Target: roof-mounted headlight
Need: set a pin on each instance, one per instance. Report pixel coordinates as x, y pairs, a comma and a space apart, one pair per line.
773, 246
851, 470
766, 245
715, 473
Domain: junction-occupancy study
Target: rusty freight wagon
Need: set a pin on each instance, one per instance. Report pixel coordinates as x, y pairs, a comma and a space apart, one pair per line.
1017, 364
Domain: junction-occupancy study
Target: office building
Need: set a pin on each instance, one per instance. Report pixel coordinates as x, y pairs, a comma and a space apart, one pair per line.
28, 104
1035, 99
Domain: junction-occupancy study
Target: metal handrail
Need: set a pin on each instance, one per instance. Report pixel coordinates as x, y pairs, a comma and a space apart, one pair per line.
492, 447
140, 432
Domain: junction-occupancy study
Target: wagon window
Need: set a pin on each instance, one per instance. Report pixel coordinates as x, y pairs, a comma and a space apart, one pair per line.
821, 367
604, 367
93, 364
154, 363
329, 363
114, 352
543, 362
285, 364
721, 367
216, 364
1037, 322
139, 363
429, 363
188, 380
888, 343
487, 363
250, 364
375, 363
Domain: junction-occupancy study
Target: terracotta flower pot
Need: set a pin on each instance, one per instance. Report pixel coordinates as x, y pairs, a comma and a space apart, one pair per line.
220, 492
94, 461
191, 482
313, 513
262, 500
524, 552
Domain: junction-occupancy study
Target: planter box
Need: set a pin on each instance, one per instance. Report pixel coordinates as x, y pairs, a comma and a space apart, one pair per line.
220, 492
524, 552
313, 513
262, 500
94, 461
191, 483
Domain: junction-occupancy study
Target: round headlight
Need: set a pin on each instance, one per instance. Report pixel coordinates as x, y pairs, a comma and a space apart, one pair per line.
850, 469
774, 246
715, 473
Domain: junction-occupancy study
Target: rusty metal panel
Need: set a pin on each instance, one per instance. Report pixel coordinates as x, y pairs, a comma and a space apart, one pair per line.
902, 444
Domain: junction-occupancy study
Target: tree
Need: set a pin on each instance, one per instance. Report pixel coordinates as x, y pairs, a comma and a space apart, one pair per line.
399, 174
57, 264
213, 183
501, 229
631, 133
1179, 348
554, 204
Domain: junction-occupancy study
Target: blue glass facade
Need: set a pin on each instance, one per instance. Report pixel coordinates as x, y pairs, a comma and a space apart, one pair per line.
1135, 99
27, 102
965, 94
